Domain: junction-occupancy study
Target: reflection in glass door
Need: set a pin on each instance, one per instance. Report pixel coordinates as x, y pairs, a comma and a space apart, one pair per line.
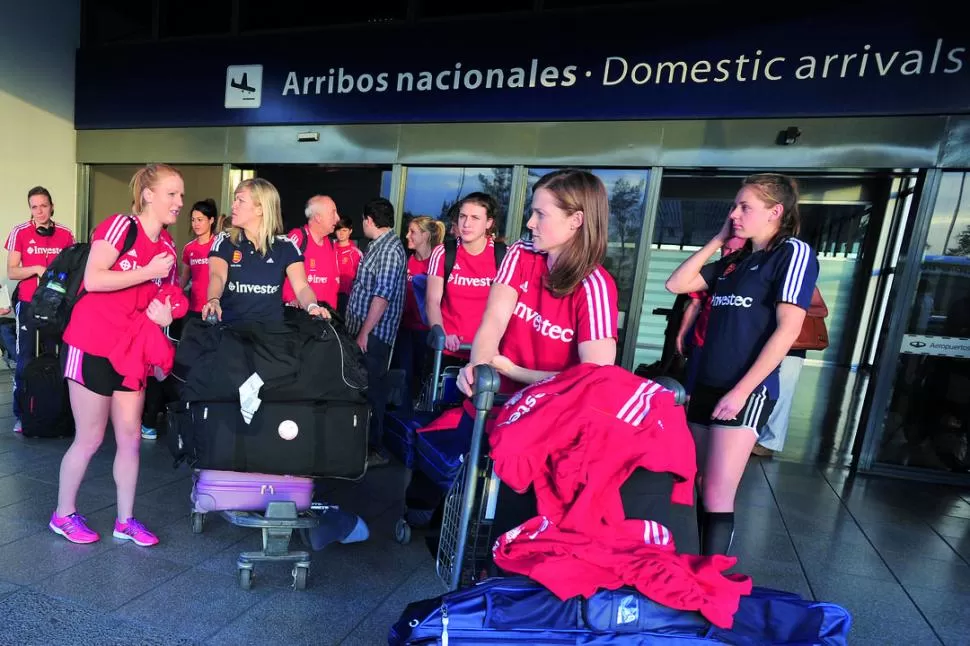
927, 424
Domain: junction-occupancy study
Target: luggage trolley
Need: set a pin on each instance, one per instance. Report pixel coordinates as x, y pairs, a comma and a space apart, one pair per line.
466, 525
438, 393
466, 528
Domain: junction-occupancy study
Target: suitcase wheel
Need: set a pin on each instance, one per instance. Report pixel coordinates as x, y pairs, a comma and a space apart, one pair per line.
299, 577
198, 522
402, 531
245, 578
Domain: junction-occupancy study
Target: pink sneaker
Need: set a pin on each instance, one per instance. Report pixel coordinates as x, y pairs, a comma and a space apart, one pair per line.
74, 528
135, 532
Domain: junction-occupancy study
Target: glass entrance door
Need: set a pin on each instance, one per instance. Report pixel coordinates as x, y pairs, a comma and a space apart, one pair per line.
927, 424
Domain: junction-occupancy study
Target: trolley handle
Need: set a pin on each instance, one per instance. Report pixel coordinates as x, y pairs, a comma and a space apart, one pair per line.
485, 386
436, 341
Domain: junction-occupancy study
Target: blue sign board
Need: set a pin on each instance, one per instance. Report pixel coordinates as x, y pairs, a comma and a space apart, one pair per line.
557, 68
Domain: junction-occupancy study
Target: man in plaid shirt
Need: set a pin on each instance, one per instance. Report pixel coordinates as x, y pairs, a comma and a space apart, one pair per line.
374, 310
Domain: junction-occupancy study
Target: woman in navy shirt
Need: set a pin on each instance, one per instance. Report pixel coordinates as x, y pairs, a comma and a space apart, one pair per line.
249, 263
759, 298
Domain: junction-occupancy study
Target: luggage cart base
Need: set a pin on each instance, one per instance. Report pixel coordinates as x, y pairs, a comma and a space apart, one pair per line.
277, 525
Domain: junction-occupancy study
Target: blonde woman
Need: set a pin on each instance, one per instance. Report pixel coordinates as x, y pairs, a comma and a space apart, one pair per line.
116, 287
249, 263
424, 234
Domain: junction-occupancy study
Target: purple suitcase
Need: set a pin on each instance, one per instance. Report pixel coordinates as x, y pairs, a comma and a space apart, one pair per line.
230, 490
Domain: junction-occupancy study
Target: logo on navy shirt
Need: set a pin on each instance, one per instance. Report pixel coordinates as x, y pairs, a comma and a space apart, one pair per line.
732, 300
247, 288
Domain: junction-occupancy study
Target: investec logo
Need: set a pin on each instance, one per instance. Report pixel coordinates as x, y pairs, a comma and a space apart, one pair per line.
43, 251
316, 280
245, 288
732, 300
468, 281
543, 326
199, 261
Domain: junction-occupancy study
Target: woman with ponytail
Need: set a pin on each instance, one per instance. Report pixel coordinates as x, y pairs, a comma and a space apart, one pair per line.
424, 234
759, 298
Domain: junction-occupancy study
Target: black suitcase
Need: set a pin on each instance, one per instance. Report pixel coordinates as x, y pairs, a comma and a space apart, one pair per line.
321, 439
45, 407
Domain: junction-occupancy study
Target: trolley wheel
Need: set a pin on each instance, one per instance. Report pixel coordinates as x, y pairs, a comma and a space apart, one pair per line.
245, 578
198, 521
402, 532
299, 577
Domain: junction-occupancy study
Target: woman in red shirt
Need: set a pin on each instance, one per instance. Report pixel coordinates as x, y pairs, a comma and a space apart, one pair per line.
553, 305
195, 255
424, 234
459, 304
117, 286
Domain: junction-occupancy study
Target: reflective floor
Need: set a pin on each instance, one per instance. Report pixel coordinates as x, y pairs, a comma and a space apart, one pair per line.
894, 553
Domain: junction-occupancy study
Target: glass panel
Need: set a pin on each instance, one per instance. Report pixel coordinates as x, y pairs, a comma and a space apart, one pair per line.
258, 15
627, 191
433, 191
181, 18
928, 420
113, 21
386, 184
450, 8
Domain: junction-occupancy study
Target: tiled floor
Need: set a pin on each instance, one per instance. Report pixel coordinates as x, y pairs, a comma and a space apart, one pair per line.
894, 553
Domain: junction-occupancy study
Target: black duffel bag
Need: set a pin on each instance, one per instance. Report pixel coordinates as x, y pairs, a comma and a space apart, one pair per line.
301, 359
312, 439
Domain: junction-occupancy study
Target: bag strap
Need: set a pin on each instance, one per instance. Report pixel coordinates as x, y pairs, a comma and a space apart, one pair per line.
131, 236
500, 249
306, 239
451, 252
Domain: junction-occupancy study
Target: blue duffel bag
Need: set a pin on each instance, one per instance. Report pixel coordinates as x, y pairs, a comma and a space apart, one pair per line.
517, 610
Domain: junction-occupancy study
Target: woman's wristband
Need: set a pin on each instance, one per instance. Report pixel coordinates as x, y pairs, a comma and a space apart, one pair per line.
214, 298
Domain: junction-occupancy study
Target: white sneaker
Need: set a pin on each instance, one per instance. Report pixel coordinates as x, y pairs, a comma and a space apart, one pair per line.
148, 433
18, 427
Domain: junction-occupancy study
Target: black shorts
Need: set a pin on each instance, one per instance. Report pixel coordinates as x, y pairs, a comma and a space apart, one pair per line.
93, 372
753, 415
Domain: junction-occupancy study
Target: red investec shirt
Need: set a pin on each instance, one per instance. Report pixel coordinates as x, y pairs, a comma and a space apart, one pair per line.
348, 259
466, 294
195, 256
544, 332
99, 319
411, 318
320, 262
36, 250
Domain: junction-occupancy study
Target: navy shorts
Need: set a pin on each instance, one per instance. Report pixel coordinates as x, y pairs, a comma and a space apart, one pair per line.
753, 415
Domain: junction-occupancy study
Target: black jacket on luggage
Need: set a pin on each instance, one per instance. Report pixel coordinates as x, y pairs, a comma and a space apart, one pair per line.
301, 359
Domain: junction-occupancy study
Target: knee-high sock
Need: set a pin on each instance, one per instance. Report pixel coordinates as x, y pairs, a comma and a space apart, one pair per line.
718, 533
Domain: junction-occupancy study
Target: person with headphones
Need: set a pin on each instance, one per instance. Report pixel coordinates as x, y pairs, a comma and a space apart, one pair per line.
31, 248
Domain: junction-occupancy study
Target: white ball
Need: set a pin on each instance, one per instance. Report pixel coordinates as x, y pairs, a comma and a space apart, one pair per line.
288, 429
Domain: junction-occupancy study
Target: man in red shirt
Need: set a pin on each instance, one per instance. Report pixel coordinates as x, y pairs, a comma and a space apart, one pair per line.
348, 260
31, 248
320, 258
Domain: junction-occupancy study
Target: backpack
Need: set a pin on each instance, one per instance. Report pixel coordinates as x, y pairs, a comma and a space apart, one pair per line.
451, 251
60, 286
45, 408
